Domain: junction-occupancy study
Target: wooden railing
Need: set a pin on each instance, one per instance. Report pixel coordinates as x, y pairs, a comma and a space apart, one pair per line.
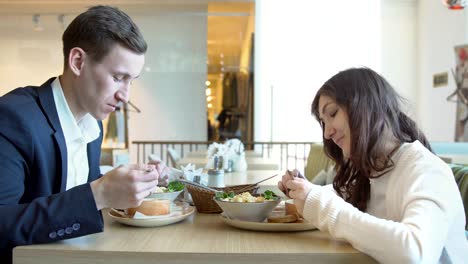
289, 155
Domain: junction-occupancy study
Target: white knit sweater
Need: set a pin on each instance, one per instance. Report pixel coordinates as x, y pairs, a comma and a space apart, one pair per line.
415, 213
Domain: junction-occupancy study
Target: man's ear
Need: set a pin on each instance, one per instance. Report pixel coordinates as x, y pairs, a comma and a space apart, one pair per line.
76, 59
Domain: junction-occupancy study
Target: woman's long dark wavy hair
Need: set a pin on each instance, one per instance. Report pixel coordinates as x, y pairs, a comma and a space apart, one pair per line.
373, 106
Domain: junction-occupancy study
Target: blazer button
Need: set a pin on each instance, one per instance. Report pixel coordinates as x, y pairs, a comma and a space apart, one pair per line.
68, 230
52, 235
61, 232
76, 226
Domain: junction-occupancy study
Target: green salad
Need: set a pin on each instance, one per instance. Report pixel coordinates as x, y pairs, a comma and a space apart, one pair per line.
174, 186
246, 197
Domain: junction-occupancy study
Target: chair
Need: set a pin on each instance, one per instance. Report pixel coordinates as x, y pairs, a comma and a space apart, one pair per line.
154, 157
461, 177
316, 161
173, 156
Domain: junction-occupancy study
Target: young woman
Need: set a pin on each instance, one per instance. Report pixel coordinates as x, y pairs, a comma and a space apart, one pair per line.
392, 198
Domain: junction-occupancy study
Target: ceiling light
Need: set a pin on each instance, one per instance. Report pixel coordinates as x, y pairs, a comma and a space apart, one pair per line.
207, 83
208, 91
210, 105
209, 98
61, 20
37, 23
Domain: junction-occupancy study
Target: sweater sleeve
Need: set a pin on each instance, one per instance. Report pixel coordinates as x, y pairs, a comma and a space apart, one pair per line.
418, 197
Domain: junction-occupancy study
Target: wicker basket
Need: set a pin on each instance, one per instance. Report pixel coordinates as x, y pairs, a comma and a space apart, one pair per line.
203, 199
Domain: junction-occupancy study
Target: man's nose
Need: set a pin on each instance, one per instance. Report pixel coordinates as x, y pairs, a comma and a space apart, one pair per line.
122, 95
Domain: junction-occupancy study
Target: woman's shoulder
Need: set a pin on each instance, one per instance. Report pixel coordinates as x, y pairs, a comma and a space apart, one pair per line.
413, 160
415, 153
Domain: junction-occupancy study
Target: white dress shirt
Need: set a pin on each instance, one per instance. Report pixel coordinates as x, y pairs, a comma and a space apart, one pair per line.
77, 136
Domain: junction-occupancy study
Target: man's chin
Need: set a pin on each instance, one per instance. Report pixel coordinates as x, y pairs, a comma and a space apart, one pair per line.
100, 116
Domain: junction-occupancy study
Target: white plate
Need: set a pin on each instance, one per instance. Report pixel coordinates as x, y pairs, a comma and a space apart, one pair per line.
171, 196
264, 226
178, 213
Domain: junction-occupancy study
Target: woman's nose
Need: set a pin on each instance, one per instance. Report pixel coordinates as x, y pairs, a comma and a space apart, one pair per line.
328, 132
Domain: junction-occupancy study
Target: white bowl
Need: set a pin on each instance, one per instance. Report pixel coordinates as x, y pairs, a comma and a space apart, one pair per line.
171, 196
253, 212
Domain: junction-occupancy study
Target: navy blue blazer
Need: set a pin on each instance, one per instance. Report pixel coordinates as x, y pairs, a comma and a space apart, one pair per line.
34, 206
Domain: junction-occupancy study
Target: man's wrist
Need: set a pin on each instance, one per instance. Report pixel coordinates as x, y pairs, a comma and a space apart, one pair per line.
95, 188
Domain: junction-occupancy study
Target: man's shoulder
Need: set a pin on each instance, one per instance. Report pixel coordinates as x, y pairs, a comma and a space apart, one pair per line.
20, 99
21, 110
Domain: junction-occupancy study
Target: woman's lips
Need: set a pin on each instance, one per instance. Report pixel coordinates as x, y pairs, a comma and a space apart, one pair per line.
339, 141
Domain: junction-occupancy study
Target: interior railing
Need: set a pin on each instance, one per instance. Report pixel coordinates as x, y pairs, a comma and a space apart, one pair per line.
289, 155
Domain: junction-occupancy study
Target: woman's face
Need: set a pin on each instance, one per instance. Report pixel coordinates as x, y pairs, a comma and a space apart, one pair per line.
335, 124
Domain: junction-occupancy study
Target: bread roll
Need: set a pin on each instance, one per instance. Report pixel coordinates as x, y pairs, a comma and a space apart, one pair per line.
282, 219
289, 215
291, 209
151, 207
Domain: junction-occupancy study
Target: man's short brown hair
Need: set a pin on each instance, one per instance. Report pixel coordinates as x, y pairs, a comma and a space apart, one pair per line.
98, 29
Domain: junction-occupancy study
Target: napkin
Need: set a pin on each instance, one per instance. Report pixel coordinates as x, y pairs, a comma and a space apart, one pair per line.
189, 171
193, 174
139, 215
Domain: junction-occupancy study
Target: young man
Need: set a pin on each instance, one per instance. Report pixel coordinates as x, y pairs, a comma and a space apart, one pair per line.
50, 137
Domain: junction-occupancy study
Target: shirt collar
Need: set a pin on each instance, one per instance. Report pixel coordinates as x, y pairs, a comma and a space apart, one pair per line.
87, 128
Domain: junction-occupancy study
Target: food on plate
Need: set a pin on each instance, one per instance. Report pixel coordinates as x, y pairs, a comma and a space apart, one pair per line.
288, 215
151, 207
173, 186
246, 197
282, 219
291, 209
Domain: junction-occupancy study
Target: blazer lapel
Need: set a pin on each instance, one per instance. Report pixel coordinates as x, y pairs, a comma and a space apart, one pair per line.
46, 99
94, 154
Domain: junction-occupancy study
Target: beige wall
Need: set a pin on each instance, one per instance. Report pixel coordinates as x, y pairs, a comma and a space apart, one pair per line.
171, 89
439, 30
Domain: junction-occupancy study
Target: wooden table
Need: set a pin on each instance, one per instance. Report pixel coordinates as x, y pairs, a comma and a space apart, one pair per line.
201, 238
253, 163
203, 154
246, 177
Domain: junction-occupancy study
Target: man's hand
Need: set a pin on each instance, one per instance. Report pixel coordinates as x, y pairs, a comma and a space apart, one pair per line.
125, 186
163, 172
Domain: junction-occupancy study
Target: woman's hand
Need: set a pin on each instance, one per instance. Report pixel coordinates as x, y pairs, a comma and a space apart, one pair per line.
289, 175
295, 186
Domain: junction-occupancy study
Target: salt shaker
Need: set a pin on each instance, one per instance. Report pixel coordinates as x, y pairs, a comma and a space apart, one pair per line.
215, 163
230, 166
220, 164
